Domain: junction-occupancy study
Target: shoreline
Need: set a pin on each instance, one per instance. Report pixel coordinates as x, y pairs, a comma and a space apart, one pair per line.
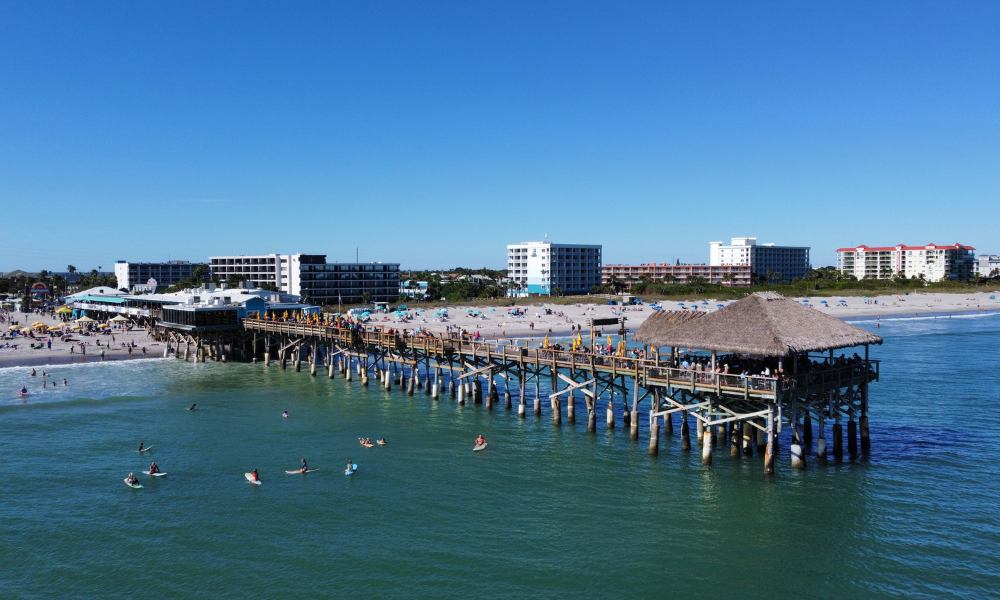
555, 320
13, 362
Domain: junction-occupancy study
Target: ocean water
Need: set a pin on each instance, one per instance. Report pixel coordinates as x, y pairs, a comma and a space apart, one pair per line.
544, 512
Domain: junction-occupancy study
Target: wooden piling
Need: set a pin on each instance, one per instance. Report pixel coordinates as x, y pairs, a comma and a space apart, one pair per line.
852, 437
706, 446
685, 432
838, 441
747, 438
654, 436
821, 438
866, 442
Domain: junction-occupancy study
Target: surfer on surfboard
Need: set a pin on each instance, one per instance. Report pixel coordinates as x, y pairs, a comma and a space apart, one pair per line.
256, 475
284, 414
142, 446
305, 466
480, 440
131, 479
154, 468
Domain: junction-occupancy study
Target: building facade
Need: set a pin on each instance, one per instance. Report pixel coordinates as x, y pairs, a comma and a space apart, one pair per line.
312, 278
767, 262
134, 276
629, 275
932, 262
987, 265
544, 268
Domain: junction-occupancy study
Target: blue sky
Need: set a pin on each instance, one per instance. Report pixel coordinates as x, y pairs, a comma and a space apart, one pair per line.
434, 133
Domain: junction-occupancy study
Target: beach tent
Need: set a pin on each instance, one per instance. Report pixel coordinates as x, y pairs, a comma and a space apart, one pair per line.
119, 319
84, 319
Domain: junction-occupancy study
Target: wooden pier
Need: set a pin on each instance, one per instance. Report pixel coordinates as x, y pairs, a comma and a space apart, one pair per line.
745, 412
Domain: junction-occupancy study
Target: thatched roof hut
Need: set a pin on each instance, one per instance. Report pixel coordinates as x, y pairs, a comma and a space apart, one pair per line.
660, 322
762, 324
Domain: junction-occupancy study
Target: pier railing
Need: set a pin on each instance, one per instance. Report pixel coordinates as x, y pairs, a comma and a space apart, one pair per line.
651, 371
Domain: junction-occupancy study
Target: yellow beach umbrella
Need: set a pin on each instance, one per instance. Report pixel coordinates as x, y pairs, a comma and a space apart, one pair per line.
63, 310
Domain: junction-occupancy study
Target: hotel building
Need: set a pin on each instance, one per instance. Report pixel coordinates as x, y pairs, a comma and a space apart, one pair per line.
629, 275
933, 262
135, 276
544, 268
767, 262
987, 264
312, 278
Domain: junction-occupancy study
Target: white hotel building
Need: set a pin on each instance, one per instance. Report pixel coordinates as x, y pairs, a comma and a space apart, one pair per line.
766, 261
544, 268
314, 279
933, 262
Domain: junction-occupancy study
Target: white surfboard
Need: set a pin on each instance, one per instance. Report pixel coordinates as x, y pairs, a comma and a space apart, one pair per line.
155, 474
300, 471
480, 447
250, 479
146, 449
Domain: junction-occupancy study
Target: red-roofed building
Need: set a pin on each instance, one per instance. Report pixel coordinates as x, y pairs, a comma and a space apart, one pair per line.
934, 262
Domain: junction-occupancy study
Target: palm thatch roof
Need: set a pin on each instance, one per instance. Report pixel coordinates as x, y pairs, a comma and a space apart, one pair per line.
762, 324
660, 322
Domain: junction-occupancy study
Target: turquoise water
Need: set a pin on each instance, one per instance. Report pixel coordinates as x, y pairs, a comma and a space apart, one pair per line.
544, 513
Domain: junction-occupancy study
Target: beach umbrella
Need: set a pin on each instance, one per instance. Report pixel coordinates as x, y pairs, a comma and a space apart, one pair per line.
85, 319
63, 310
119, 319
39, 324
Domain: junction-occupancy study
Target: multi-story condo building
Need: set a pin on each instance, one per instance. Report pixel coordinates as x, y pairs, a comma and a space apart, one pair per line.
932, 262
544, 268
312, 278
768, 262
629, 275
135, 276
987, 265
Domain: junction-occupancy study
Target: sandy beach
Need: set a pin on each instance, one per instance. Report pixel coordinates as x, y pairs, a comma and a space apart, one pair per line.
59, 354
558, 320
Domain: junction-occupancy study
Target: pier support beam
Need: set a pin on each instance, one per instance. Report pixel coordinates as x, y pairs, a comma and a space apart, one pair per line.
706, 446
654, 436
634, 424
866, 442
852, 437
770, 449
821, 438
838, 441
748, 439
685, 432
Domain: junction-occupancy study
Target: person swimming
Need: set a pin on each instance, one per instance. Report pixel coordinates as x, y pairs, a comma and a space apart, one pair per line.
284, 414
194, 406
24, 390
33, 372
480, 440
